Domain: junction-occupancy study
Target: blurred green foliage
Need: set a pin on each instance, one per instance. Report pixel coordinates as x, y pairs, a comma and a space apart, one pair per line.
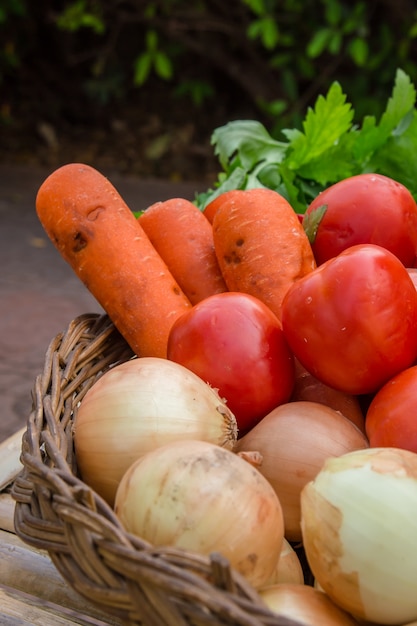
268, 58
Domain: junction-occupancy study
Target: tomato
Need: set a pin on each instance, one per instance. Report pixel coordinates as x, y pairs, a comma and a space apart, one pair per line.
413, 275
368, 208
234, 342
391, 419
352, 322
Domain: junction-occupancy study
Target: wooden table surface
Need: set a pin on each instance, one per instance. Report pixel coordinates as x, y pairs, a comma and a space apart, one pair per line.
32, 591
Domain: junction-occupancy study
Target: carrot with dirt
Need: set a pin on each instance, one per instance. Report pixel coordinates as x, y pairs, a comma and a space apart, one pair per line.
99, 236
260, 245
210, 209
184, 239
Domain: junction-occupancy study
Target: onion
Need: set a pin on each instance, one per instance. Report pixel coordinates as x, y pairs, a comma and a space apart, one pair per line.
359, 533
288, 568
203, 498
294, 440
308, 387
309, 606
137, 406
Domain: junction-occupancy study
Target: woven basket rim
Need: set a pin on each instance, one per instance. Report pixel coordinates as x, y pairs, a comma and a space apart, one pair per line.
131, 580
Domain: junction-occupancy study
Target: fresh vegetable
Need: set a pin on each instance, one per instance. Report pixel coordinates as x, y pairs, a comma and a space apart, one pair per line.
261, 246
331, 146
137, 406
288, 568
368, 208
304, 604
232, 296
294, 440
358, 519
98, 235
200, 497
235, 343
413, 275
308, 387
211, 208
352, 322
184, 239
391, 419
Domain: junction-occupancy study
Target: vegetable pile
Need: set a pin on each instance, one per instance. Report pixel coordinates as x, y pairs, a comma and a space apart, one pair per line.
269, 412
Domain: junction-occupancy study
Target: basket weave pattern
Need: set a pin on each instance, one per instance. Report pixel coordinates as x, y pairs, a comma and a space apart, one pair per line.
131, 580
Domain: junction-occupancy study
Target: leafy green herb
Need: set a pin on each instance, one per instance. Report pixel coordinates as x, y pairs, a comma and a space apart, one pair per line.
329, 148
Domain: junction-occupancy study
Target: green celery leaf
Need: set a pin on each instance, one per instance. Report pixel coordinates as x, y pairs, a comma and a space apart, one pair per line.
400, 103
334, 164
329, 148
269, 176
398, 156
395, 120
252, 181
249, 142
323, 127
366, 141
292, 134
291, 190
308, 190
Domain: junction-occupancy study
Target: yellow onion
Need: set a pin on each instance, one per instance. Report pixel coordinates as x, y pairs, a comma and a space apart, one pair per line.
306, 605
203, 498
294, 440
360, 621
308, 387
137, 406
288, 568
359, 533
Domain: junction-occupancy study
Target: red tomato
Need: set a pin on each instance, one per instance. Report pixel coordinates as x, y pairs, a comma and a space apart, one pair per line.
413, 275
352, 322
368, 208
391, 419
235, 343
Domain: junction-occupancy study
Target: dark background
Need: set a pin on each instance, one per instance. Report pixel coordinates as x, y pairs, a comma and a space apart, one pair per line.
138, 86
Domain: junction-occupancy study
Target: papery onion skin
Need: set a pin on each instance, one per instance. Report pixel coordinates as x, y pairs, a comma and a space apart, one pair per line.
294, 440
359, 533
137, 406
289, 568
309, 606
203, 498
308, 387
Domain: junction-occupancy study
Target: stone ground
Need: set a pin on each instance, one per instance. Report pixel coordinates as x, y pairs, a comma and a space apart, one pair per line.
39, 293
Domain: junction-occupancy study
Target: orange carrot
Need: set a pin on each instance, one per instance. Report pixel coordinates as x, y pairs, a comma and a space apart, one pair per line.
98, 235
261, 246
211, 208
184, 239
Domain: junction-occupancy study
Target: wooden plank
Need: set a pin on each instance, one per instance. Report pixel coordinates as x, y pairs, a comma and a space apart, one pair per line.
30, 570
22, 609
10, 464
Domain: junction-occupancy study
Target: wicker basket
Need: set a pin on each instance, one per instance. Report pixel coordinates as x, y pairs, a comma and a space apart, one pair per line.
126, 577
